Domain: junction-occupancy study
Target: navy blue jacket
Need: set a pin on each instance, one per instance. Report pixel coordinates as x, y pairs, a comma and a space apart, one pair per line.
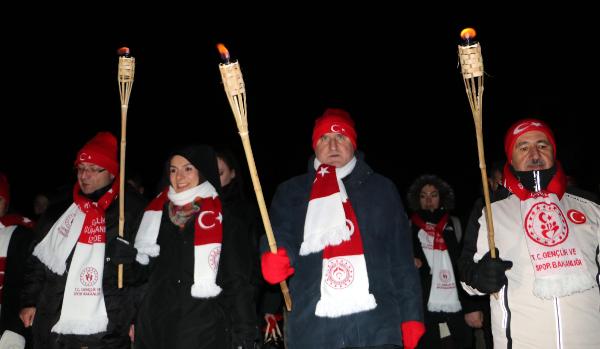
393, 278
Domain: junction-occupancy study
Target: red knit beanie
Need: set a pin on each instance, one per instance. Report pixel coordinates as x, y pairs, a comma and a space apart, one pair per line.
4, 188
523, 126
102, 151
336, 121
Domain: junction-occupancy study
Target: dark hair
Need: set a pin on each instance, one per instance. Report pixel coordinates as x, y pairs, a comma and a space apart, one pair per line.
445, 190
204, 160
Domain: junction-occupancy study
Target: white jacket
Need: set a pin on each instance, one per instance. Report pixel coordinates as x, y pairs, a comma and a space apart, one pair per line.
521, 320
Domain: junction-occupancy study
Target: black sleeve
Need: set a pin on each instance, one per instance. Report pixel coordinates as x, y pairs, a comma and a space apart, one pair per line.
466, 265
235, 275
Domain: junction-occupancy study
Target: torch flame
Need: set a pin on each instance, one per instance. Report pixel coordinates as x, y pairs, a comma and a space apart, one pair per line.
123, 51
223, 52
468, 34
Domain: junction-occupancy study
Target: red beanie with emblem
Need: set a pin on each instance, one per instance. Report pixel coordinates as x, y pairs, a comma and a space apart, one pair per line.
4, 188
102, 151
334, 121
523, 126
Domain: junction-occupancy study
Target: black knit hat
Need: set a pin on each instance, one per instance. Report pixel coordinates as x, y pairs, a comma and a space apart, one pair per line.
204, 160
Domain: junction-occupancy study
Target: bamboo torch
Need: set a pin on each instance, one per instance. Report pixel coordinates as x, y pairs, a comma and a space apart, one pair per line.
471, 63
233, 82
125, 74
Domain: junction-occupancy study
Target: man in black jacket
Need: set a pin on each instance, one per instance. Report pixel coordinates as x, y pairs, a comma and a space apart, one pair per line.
71, 296
344, 236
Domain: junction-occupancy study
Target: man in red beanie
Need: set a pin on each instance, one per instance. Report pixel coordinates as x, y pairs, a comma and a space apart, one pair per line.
345, 246
15, 241
71, 296
546, 270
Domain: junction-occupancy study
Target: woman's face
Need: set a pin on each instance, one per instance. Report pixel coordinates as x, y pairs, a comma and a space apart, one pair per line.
429, 198
182, 174
226, 174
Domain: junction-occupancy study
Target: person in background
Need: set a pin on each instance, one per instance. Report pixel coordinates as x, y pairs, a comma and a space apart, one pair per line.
40, 205
16, 237
477, 307
234, 194
545, 273
345, 245
196, 255
71, 294
436, 249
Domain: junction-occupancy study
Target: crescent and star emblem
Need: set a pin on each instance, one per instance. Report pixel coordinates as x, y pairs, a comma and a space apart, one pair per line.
201, 216
522, 127
576, 217
335, 128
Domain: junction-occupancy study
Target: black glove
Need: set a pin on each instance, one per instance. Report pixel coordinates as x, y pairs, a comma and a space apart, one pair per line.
489, 276
120, 251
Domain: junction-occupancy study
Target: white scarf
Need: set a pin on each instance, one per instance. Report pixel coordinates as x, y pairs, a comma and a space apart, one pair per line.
83, 227
208, 235
443, 296
554, 252
331, 226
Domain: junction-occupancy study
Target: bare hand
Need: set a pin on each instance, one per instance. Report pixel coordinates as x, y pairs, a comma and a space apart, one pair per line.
27, 315
132, 333
418, 263
474, 319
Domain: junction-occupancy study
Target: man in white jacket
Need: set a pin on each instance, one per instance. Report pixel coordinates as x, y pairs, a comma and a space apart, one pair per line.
546, 270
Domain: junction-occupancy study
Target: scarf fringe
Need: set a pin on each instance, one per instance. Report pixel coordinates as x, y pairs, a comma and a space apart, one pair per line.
51, 260
205, 289
318, 241
344, 306
145, 251
81, 326
562, 285
443, 307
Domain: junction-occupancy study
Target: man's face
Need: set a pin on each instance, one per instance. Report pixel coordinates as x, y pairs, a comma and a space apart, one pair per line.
92, 177
532, 151
334, 149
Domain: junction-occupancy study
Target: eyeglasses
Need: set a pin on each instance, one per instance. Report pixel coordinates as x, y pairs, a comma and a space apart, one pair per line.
91, 170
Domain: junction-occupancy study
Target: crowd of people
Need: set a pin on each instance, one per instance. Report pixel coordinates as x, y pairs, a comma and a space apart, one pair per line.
192, 267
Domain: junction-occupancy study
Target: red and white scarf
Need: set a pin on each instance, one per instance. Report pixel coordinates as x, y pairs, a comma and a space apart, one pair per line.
208, 234
443, 295
8, 224
331, 227
554, 252
82, 226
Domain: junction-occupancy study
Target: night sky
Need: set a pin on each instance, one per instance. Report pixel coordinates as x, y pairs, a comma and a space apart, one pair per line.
396, 72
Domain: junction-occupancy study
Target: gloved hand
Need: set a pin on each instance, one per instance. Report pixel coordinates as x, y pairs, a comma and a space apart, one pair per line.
276, 267
411, 333
489, 275
120, 251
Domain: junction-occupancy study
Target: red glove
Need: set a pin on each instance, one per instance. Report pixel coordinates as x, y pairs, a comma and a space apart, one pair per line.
411, 333
276, 266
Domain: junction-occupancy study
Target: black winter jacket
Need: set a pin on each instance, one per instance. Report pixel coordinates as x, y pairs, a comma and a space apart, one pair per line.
393, 278
170, 317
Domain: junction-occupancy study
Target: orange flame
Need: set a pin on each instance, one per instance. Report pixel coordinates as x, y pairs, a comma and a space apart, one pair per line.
123, 51
468, 34
223, 52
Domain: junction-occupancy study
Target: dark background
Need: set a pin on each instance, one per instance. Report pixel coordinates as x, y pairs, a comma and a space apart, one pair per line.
395, 71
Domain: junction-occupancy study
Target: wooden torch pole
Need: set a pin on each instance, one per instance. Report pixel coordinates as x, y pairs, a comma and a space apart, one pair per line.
125, 77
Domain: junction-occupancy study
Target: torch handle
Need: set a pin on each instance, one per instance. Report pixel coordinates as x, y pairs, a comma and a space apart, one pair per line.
122, 185
486, 191
263, 210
